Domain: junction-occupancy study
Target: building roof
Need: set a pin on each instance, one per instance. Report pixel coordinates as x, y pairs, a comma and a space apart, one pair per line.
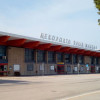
9, 39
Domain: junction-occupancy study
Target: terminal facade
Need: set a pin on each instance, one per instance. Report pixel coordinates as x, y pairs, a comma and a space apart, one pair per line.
21, 55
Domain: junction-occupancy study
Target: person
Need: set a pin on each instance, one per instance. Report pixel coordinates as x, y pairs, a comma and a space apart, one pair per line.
36, 71
55, 70
73, 71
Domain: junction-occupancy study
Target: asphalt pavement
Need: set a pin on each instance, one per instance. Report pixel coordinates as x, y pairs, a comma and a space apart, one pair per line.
57, 87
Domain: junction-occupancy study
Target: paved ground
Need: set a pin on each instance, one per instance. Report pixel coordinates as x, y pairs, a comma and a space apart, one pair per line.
59, 87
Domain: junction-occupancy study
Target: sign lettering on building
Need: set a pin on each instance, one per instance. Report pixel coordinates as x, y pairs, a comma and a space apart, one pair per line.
66, 41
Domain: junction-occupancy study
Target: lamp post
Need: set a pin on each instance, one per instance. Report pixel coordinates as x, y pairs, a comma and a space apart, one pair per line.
79, 62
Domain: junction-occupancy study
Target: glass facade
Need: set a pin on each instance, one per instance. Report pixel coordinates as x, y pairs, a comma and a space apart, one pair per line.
29, 67
29, 55
60, 57
51, 57
2, 52
68, 58
40, 56
81, 69
81, 59
68, 68
92, 60
75, 59
97, 61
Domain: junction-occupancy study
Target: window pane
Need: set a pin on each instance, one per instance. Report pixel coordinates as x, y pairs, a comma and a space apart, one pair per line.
81, 59
29, 67
68, 58
92, 60
29, 55
97, 60
40, 56
2, 51
59, 57
75, 58
68, 68
51, 57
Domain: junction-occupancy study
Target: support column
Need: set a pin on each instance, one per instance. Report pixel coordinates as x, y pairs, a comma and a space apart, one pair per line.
72, 65
36, 70
47, 62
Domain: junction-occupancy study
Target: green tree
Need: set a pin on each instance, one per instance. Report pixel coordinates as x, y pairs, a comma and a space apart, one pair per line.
97, 4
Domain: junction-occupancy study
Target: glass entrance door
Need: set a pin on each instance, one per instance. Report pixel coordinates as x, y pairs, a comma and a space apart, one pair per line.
3, 70
92, 69
60, 69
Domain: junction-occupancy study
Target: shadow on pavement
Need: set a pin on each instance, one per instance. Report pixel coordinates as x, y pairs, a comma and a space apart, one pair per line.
13, 82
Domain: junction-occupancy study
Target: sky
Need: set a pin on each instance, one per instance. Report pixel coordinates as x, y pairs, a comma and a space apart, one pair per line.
74, 19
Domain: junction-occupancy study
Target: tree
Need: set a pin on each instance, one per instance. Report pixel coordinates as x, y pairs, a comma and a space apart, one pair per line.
97, 4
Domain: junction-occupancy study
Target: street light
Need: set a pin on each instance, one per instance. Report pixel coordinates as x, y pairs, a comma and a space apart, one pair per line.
79, 61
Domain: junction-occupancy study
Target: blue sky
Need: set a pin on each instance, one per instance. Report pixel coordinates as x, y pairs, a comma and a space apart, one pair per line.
73, 19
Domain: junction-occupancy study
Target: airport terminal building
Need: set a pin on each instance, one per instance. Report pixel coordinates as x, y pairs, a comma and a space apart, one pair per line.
49, 55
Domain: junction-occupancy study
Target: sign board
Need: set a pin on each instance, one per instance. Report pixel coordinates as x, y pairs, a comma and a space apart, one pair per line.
16, 67
52, 67
60, 63
75, 68
97, 68
41, 67
67, 41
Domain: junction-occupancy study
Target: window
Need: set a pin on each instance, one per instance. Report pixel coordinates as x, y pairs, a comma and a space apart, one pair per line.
52, 67
59, 57
68, 68
75, 68
92, 60
51, 57
40, 56
81, 59
29, 55
2, 52
97, 61
29, 67
75, 59
81, 68
68, 58
42, 67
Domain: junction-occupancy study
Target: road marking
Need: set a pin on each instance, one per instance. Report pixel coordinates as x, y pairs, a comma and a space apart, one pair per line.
88, 93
